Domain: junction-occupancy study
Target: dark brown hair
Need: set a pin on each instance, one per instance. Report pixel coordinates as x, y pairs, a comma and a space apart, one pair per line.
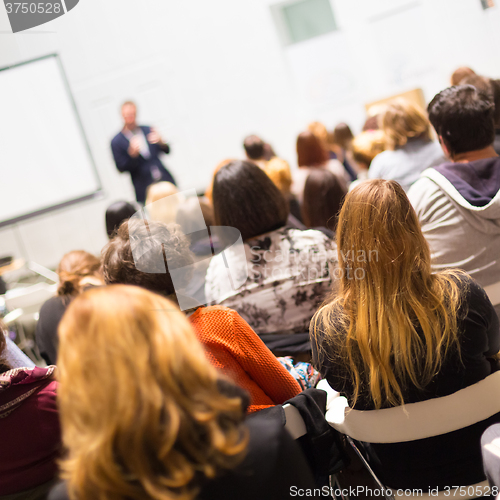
461, 73
247, 199
161, 246
254, 147
463, 117
116, 213
323, 197
481, 83
310, 151
342, 135
496, 96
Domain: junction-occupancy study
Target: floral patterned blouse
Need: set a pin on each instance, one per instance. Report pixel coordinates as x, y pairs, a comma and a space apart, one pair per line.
290, 273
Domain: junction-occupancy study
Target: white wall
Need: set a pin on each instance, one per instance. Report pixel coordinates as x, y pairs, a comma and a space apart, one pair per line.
209, 73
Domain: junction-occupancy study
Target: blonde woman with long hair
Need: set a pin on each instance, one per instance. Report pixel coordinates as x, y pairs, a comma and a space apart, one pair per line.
410, 146
145, 415
396, 334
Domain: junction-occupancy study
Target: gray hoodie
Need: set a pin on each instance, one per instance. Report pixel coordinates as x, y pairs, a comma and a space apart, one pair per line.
458, 205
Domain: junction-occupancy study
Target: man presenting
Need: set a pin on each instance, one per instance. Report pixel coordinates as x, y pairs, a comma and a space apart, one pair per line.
136, 149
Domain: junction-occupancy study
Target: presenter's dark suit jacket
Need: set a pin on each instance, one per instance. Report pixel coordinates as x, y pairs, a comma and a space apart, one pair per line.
140, 168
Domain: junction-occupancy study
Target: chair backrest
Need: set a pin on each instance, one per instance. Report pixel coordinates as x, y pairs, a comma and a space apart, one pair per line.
490, 449
493, 292
295, 424
418, 420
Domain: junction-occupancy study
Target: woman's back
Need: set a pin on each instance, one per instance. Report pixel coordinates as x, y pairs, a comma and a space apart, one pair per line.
397, 334
238, 353
410, 149
449, 459
479, 338
405, 165
29, 429
168, 424
290, 273
273, 465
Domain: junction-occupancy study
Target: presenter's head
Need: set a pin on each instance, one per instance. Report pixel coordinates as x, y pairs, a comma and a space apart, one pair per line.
129, 114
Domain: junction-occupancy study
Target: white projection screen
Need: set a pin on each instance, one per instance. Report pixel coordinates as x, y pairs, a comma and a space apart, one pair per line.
45, 160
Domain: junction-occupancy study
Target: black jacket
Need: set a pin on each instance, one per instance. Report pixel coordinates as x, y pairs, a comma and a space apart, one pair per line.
273, 469
140, 169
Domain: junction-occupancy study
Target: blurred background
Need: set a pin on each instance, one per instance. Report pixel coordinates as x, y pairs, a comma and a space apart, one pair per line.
207, 74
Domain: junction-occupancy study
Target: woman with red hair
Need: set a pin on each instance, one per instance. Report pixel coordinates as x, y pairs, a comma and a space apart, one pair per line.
312, 154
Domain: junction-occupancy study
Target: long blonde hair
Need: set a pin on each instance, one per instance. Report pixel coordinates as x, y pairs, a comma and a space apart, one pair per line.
141, 412
386, 295
402, 120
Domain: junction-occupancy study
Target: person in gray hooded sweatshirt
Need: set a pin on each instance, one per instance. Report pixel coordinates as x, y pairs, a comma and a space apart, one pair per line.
458, 202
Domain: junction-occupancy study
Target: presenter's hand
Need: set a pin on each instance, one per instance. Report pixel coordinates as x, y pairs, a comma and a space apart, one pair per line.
134, 148
154, 137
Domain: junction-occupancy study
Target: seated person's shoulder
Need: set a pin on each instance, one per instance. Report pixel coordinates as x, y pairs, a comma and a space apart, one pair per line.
215, 311
305, 238
422, 191
216, 318
57, 303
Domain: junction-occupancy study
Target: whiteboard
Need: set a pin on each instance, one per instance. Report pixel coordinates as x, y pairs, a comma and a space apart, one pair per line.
45, 161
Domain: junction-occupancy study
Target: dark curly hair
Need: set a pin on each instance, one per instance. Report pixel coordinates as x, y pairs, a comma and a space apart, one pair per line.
464, 118
142, 252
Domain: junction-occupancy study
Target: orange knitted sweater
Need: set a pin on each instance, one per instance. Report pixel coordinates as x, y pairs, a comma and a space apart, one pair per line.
238, 352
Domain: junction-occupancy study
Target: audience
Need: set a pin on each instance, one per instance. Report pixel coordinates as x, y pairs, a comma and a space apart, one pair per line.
255, 149
145, 415
459, 74
491, 89
340, 141
116, 214
78, 270
323, 197
230, 344
337, 146
161, 205
279, 172
29, 429
481, 83
395, 296
208, 191
410, 149
365, 147
457, 203
397, 334
290, 271
312, 153
372, 122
